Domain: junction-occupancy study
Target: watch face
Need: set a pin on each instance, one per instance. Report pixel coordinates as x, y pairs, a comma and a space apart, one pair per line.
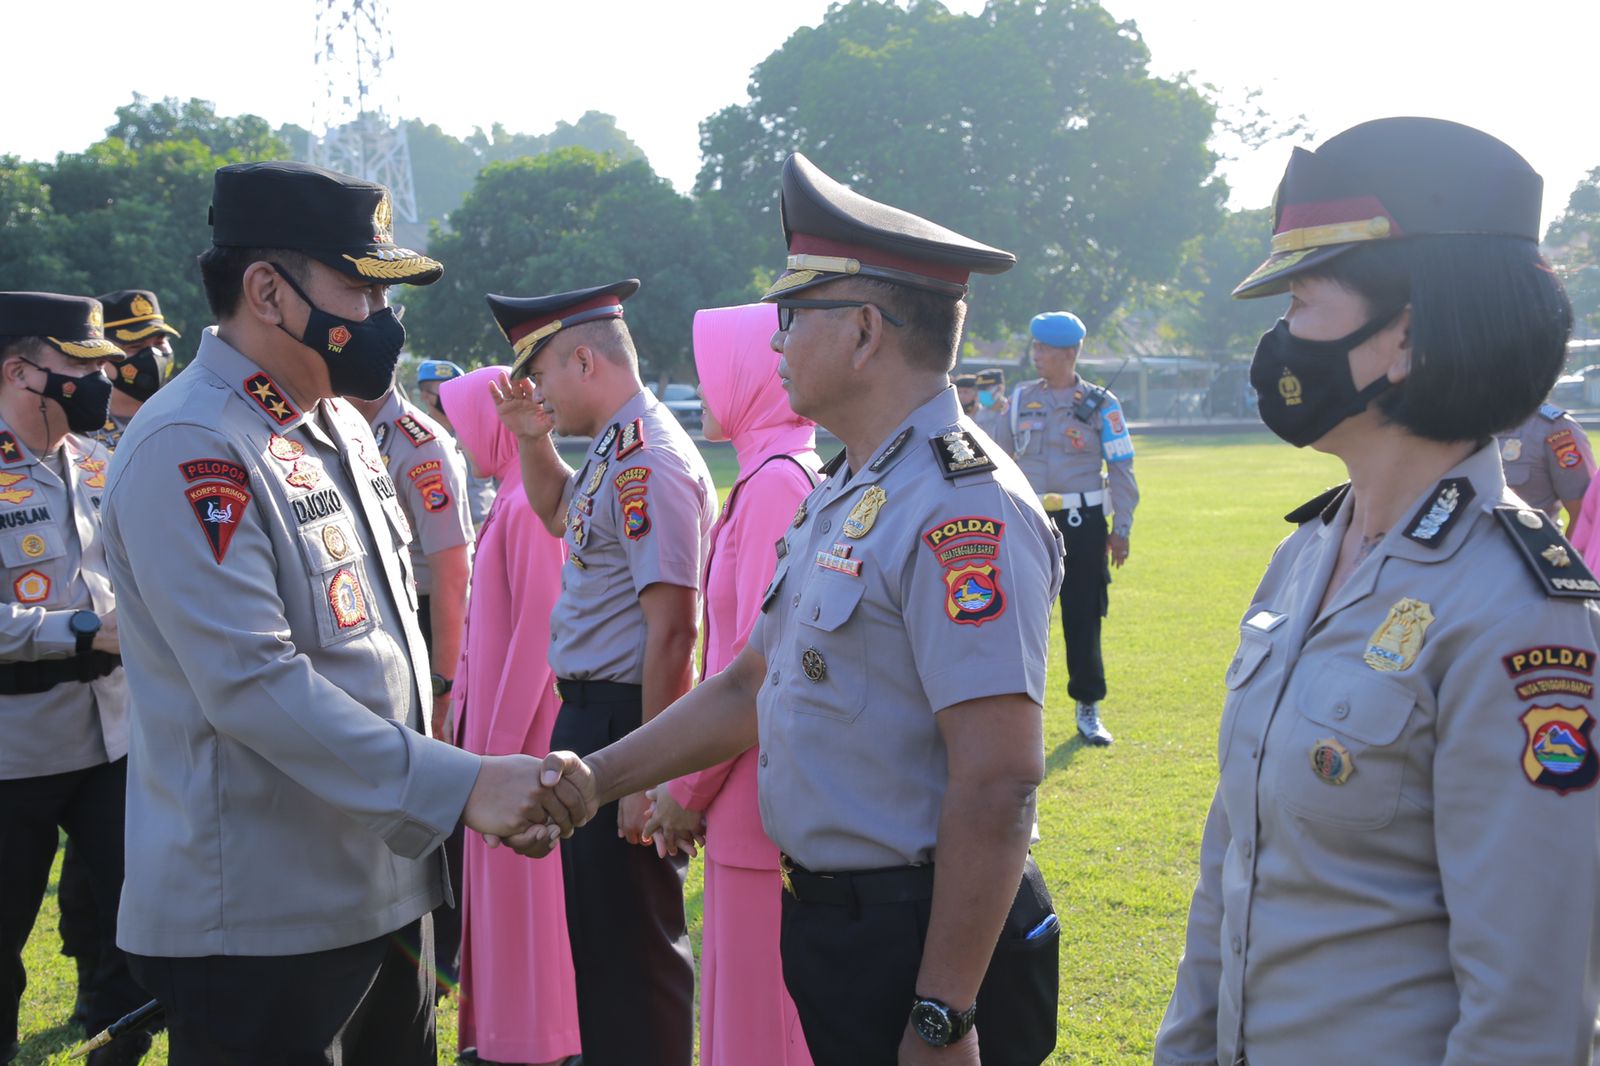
931, 1024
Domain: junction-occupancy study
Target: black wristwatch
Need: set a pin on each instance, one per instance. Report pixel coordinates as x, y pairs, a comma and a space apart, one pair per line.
940, 1024
442, 685
84, 625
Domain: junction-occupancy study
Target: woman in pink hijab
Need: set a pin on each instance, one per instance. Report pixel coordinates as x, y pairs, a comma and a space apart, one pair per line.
746, 1015
519, 1003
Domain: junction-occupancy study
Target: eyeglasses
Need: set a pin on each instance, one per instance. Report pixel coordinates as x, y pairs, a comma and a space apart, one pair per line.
787, 308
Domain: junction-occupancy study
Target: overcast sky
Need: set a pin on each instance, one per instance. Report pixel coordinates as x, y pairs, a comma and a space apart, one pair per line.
1525, 72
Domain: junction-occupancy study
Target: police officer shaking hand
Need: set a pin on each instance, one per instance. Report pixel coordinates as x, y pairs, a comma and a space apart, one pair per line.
896, 778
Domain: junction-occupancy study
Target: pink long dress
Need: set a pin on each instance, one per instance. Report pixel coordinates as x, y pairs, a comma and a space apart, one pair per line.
746, 1015
518, 999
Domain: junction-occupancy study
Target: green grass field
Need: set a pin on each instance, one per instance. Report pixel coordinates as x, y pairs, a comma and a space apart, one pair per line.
1121, 825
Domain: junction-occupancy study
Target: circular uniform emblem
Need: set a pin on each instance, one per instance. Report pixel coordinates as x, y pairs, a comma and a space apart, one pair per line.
345, 597
974, 594
814, 665
284, 448
33, 545
1530, 519
1331, 761
333, 540
1559, 748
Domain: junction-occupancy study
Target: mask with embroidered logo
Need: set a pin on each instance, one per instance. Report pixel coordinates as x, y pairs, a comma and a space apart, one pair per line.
86, 401
1305, 387
361, 355
142, 373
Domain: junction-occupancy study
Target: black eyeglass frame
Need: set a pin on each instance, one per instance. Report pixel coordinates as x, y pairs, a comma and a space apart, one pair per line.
787, 308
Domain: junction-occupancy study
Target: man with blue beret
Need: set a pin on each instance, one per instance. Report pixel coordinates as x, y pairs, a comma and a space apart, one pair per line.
1060, 430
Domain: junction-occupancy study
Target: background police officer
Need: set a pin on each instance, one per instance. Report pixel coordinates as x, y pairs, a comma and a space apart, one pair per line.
636, 520
430, 373
897, 670
134, 322
286, 807
1548, 462
1060, 429
63, 693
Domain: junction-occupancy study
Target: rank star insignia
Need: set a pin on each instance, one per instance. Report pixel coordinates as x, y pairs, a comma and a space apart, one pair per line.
1556, 555
1331, 761
8, 448
813, 665
1396, 642
266, 394
859, 522
1559, 751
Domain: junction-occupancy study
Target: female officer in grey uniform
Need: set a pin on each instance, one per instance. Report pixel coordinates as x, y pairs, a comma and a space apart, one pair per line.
1401, 859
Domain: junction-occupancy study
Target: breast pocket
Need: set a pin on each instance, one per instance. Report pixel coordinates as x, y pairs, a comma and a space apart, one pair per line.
830, 667
34, 558
336, 566
1030, 434
1343, 760
1255, 648
1519, 471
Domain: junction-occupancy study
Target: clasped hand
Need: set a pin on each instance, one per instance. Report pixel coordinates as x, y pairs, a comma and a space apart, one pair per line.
529, 804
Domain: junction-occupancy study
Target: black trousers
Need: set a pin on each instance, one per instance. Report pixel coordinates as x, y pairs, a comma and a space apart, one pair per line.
88, 805
446, 919
80, 933
630, 943
1084, 601
851, 969
369, 1004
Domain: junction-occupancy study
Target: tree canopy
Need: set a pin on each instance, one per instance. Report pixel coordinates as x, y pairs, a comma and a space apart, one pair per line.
1033, 126
1573, 240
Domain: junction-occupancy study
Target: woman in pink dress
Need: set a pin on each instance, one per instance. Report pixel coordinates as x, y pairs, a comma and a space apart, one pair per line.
746, 1015
518, 999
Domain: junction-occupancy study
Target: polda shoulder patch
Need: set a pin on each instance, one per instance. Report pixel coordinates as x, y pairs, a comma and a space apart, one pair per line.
1554, 562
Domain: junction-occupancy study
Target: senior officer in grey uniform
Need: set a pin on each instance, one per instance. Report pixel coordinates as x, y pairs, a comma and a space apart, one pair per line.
63, 694
991, 405
1400, 862
134, 323
636, 519
1548, 462
1060, 430
897, 671
285, 805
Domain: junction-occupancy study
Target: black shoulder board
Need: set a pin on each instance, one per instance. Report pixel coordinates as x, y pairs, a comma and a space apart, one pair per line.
888, 454
10, 452
1440, 511
603, 445
631, 438
960, 454
1556, 564
415, 431
831, 467
1323, 506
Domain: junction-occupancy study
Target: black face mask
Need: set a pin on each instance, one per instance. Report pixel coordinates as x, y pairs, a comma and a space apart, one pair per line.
361, 356
142, 373
86, 401
1304, 387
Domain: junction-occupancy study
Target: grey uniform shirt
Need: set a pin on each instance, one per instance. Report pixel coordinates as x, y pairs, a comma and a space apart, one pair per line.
638, 512
899, 592
1058, 452
989, 419
277, 801
53, 564
1547, 459
431, 479
1400, 862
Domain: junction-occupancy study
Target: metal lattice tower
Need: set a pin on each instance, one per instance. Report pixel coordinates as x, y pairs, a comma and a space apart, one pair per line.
351, 126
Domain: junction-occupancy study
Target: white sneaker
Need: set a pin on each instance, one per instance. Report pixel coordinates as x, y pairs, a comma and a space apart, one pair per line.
1089, 725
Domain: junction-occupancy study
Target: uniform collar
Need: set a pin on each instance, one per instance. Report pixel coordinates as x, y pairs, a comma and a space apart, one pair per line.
252, 384
640, 404
1438, 521
939, 414
392, 408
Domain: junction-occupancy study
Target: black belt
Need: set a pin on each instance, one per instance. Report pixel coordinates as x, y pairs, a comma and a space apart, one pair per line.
582, 693
26, 679
857, 888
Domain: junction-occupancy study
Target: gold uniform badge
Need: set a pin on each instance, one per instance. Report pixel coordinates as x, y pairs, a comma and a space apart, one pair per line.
1396, 642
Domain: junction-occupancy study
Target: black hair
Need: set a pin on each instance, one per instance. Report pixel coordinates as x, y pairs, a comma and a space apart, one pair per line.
222, 273
932, 320
1489, 328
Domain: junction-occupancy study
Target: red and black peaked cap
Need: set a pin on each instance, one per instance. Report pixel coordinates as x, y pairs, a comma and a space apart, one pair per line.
529, 322
833, 232
1390, 179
